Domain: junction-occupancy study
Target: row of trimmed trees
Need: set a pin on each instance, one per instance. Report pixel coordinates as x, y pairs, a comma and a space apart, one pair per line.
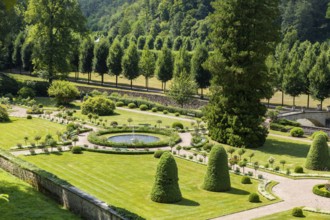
166, 187
301, 68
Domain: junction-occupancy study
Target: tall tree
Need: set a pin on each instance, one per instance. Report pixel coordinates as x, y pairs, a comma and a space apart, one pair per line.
114, 59
147, 65
17, 55
201, 74
130, 63
244, 35
27, 56
320, 78
53, 26
86, 55
101, 51
182, 62
164, 66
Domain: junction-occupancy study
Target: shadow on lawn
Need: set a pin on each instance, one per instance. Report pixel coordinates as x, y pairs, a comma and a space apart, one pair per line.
281, 147
187, 202
236, 191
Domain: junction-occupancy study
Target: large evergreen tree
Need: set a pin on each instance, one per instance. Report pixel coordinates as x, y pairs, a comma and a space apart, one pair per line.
101, 51
114, 59
86, 55
147, 65
53, 25
244, 35
130, 63
164, 66
201, 74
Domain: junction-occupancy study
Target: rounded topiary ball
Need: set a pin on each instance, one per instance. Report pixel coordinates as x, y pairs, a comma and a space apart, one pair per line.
131, 105
298, 169
166, 187
217, 177
297, 132
318, 156
143, 107
177, 125
246, 180
254, 198
297, 212
76, 150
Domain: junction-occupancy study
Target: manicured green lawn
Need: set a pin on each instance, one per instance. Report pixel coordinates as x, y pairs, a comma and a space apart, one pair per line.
287, 216
121, 117
26, 203
126, 182
15, 131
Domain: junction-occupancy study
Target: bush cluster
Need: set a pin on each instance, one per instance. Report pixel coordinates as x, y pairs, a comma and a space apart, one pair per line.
246, 180
98, 105
287, 122
321, 190
299, 169
143, 107
119, 104
278, 127
297, 132
131, 105
26, 92
4, 117
177, 124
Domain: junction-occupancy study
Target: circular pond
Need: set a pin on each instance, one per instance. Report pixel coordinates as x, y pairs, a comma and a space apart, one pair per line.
131, 138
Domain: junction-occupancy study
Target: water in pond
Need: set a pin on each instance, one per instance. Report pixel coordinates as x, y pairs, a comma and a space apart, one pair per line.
130, 138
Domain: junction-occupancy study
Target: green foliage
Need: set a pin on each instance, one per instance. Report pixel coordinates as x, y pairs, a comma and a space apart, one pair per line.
217, 177
101, 51
246, 180
321, 190
297, 132
4, 117
130, 63
318, 156
7, 85
119, 104
86, 56
26, 92
254, 198
98, 105
115, 58
316, 133
297, 212
164, 65
131, 105
287, 122
143, 107
177, 125
53, 33
76, 150
63, 91
166, 187
147, 64
279, 127
235, 114
158, 153
299, 169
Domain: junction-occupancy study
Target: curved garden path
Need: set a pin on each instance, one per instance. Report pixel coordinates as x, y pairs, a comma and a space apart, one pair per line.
293, 193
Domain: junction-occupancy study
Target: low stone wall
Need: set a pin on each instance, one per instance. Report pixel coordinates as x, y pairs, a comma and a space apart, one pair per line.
80, 203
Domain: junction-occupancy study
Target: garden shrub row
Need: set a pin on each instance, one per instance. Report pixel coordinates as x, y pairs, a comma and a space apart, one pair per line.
321, 191
117, 152
287, 122
152, 105
95, 138
280, 127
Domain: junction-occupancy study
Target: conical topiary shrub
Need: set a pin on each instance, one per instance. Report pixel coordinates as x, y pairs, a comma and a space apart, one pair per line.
217, 177
166, 187
318, 156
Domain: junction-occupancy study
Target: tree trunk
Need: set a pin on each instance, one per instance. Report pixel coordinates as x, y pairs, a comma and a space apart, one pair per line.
282, 98
131, 84
294, 100
147, 83
307, 101
102, 78
268, 102
202, 94
321, 105
116, 81
164, 87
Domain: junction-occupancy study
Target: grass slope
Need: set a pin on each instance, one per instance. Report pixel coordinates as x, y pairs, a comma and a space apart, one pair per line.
288, 216
26, 203
15, 131
126, 182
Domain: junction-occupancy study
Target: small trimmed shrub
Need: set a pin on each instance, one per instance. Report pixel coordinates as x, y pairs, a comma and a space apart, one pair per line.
76, 150
29, 117
177, 125
154, 109
177, 114
320, 133
318, 156
217, 177
260, 176
166, 187
143, 107
297, 212
158, 153
131, 105
299, 169
297, 132
114, 124
165, 112
4, 117
277, 168
120, 104
278, 127
254, 198
246, 180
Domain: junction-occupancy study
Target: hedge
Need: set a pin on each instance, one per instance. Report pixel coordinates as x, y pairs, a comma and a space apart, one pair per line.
117, 151
159, 107
286, 122
318, 191
279, 127
95, 138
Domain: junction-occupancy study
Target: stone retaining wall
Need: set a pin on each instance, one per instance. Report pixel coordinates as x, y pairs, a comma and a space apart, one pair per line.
80, 203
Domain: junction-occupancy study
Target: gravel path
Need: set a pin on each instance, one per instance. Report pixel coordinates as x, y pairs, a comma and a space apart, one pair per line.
18, 112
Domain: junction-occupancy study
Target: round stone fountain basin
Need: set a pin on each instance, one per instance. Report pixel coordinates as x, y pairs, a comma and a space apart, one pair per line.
130, 138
